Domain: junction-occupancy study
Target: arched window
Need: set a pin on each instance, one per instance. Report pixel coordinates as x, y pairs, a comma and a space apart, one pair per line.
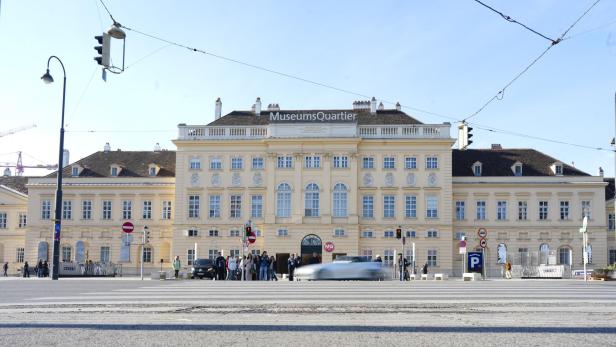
340, 200
80, 251
312, 200
544, 253
43, 251
564, 256
283, 200
501, 253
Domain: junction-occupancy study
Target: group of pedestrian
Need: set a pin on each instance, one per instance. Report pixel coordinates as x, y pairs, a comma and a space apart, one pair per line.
41, 269
259, 268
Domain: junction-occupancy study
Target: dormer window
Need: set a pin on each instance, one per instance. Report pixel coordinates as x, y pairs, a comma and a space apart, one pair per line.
557, 168
477, 169
153, 170
115, 170
517, 169
75, 171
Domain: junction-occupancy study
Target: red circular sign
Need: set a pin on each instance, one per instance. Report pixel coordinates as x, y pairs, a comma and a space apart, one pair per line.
462, 243
483, 243
128, 227
252, 238
482, 233
329, 246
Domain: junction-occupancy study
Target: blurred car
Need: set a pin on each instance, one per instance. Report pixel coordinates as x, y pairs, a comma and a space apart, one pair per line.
343, 268
203, 268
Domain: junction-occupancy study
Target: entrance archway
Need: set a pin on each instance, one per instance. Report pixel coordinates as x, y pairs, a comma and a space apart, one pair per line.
311, 244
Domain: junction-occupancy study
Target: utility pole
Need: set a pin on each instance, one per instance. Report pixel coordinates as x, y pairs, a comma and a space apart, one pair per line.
584, 243
143, 242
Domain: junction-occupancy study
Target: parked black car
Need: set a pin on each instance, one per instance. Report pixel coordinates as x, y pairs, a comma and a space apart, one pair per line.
203, 268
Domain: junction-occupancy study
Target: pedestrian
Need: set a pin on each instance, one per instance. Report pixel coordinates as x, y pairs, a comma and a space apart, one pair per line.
177, 264
26, 270
508, 270
403, 264
39, 268
248, 271
291, 266
232, 268
264, 266
238, 271
298, 261
424, 269
378, 259
45, 269
314, 259
5, 268
220, 266
272, 269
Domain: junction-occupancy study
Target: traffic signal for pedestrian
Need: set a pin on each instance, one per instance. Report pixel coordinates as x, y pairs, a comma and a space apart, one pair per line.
104, 41
248, 230
398, 233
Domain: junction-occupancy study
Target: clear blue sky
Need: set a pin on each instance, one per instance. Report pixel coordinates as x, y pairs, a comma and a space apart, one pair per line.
448, 57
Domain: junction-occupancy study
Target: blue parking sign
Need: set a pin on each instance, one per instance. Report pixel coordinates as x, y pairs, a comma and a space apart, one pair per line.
475, 262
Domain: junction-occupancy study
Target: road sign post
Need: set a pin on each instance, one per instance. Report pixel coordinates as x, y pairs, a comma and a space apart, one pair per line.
584, 231
128, 227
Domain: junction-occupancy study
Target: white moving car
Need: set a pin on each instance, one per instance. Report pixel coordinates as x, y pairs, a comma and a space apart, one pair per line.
343, 268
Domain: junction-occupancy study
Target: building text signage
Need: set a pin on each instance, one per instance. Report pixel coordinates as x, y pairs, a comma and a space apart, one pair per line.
313, 117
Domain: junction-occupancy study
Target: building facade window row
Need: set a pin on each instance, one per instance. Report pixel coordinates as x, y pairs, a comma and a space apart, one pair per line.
126, 212
502, 210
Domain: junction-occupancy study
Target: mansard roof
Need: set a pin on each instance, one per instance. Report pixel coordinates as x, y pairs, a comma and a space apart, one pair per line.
133, 164
364, 117
498, 162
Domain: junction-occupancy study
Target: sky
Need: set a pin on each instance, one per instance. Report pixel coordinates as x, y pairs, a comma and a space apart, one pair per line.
445, 57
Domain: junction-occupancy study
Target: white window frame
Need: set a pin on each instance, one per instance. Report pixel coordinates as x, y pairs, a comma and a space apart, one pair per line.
460, 209
312, 162
105, 254
67, 209
339, 232
340, 197
194, 164
410, 163
283, 232
410, 206
432, 234
544, 211
214, 206
107, 210
389, 162
284, 162
127, 209
235, 206
194, 206
46, 209
389, 206
367, 234
341, 161
367, 163
283, 200
312, 200
432, 257
256, 206
215, 163
3, 220
522, 210
431, 207
258, 163
23, 220
586, 209
167, 209
367, 206
237, 163
480, 210
86, 209
501, 210
431, 162
147, 209
564, 210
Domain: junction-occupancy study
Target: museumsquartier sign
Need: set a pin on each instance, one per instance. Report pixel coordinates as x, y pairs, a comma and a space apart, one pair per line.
313, 117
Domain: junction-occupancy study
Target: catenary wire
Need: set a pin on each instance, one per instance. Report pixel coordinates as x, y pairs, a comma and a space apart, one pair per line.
511, 20
590, 30
501, 92
491, 129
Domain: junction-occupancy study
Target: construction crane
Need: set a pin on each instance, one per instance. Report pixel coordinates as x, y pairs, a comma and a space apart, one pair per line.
15, 130
19, 166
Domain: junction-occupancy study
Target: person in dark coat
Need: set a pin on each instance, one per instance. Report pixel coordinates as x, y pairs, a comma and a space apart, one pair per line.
221, 266
26, 270
39, 268
45, 269
424, 269
5, 268
291, 266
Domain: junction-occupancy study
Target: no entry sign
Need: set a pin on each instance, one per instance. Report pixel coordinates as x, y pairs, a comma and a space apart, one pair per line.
128, 227
252, 238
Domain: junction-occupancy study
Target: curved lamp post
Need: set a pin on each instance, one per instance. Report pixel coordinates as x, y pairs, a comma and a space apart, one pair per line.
58, 214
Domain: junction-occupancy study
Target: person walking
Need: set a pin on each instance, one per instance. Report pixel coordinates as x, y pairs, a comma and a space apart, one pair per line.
403, 264
26, 270
5, 268
264, 266
291, 266
45, 269
232, 269
220, 266
508, 270
248, 268
424, 269
39, 268
177, 264
272, 269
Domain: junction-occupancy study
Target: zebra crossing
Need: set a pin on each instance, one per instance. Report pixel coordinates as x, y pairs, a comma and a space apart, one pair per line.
221, 293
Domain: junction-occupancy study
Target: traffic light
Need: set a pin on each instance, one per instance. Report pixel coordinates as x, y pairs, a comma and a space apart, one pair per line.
146, 235
104, 41
464, 135
398, 233
468, 135
248, 230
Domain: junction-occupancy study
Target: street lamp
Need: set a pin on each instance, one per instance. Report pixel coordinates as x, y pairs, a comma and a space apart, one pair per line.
58, 215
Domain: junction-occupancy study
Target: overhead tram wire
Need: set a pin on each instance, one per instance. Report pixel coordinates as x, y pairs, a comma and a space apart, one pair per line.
511, 20
346, 91
501, 93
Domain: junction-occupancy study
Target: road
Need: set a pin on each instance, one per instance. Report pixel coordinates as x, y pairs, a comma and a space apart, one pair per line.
78, 312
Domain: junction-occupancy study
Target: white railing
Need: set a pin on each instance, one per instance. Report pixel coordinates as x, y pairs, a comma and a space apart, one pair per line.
405, 131
202, 132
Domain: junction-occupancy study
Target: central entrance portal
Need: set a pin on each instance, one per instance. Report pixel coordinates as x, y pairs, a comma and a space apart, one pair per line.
311, 244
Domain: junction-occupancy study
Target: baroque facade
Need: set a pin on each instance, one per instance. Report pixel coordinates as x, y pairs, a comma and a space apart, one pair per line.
304, 178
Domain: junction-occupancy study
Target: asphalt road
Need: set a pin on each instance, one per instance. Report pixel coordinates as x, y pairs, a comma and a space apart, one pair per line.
122, 312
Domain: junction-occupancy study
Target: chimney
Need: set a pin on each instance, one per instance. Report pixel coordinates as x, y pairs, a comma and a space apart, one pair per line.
398, 106
258, 107
107, 147
273, 107
373, 105
65, 158
218, 109
381, 107
600, 171
496, 146
7, 172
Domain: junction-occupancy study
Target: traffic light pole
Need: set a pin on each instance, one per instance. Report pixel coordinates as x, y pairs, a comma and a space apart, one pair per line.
142, 251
